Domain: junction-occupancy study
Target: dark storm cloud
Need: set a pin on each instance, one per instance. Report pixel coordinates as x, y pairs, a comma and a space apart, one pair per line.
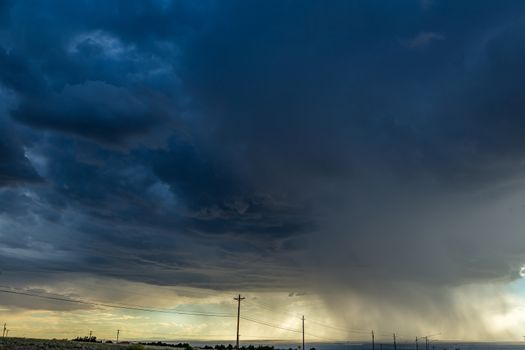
96, 110
14, 165
198, 144
15, 168
326, 89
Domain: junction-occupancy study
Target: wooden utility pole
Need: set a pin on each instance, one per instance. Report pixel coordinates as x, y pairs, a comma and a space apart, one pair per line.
118, 332
426, 343
395, 345
417, 345
239, 299
303, 333
373, 340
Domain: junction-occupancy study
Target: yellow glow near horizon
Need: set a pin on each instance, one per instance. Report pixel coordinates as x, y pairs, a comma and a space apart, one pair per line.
483, 317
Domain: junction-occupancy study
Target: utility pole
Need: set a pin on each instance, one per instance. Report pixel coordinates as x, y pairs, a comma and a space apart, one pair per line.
239, 299
303, 333
118, 332
426, 343
395, 345
417, 345
3, 333
373, 340
90, 333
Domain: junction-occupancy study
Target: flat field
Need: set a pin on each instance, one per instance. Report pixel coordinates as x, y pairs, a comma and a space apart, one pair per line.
45, 344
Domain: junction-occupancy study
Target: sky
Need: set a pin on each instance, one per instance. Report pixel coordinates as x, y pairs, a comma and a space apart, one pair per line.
358, 162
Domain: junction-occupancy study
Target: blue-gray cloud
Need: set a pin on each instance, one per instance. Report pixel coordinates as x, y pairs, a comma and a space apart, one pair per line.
175, 142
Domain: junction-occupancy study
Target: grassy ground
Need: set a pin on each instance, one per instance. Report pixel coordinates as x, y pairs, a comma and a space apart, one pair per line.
44, 344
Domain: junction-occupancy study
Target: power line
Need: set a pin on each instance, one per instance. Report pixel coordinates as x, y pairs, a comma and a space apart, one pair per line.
191, 313
341, 329
58, 296
62, 296
300, 331
176, 290
324, 338
270, 308
268, 324
133, 308
239, 299
303, 332
265, 323
395, 344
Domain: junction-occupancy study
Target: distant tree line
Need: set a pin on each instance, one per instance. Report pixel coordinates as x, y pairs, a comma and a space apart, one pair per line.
249, 347
231, 347
87, 339
185, 346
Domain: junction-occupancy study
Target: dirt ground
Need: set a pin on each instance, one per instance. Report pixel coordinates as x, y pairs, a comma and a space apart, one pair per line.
44, 344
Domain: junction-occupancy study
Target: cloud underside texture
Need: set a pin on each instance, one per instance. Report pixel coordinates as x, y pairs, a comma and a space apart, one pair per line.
264, 145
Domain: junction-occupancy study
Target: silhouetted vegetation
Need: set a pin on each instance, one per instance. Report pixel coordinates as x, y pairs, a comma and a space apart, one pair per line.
87, 339
223, 347
187, 346
249, 347
179, 345
259, 347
